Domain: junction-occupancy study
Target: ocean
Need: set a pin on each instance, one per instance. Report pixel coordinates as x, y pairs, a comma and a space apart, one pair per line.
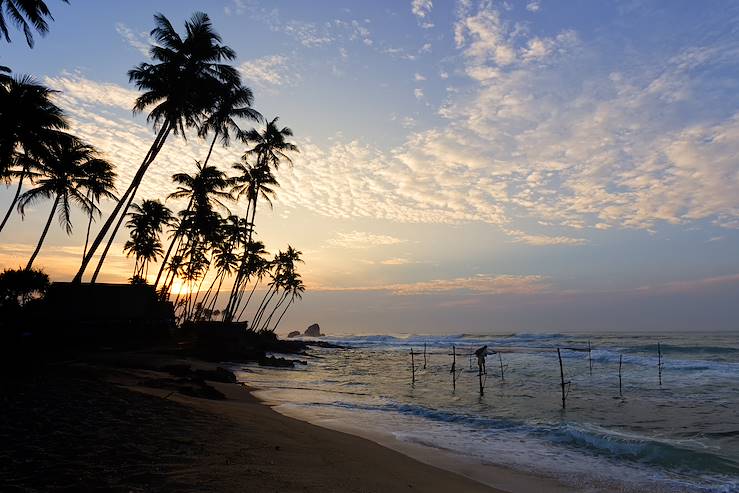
680, 436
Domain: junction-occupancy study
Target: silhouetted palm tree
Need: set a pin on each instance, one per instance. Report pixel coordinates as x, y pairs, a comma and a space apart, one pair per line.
233, 102
181, 86
284, 277
146, 222
204, 191
24, 14
253, 182
99, 183
29, 121
61, 177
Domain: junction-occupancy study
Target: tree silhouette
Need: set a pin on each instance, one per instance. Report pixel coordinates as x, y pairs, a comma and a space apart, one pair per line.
29, 121
180, 88
24, 14
62, 178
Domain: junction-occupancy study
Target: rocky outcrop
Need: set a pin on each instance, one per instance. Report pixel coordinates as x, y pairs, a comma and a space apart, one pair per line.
313, 331
294, 333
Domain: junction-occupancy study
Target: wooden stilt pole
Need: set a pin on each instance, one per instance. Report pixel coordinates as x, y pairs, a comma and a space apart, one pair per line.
590, 359
454, 368
659, 362
620, 363
479, 376
502, 374
413, 368
562, 379
424, 355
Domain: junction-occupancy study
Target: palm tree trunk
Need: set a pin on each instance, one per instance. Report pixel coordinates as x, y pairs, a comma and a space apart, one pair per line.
256, 283
233, 304
276, 307
258, 316
207, 158
171, 245
87, 236
15, 200
283, 313
43, 234
150, 155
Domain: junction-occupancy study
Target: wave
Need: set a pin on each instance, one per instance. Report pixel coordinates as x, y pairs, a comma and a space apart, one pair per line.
612, 357
644, 450
668, 349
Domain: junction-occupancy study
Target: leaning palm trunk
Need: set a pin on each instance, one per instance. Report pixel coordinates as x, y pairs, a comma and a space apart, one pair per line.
176, 236
43, 234
87, 236
15, 199
241, 313
240, 283
282, 299
263, 308
283, 313
125, 199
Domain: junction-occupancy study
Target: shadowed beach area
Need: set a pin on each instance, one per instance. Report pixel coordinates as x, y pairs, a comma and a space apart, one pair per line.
114, 423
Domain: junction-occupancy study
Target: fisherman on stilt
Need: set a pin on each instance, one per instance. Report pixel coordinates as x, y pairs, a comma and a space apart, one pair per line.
481, 354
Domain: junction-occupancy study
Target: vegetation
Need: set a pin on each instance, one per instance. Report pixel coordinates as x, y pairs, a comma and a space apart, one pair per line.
211, 242
24, 14
20, 286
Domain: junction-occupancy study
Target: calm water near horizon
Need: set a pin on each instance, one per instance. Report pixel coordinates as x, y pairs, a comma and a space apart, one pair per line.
683, 436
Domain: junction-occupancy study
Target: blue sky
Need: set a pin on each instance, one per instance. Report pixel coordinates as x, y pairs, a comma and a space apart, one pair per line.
464, 166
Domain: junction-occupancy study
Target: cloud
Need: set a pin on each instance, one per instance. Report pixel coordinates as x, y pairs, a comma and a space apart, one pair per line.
397, 261
75, 88
418, 77
139, 41
480, 284
418, 93
421, 9
269, 71
362, 239
534, 6
542, 240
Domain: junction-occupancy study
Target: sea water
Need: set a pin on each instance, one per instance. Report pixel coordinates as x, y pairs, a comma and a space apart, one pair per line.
680, 436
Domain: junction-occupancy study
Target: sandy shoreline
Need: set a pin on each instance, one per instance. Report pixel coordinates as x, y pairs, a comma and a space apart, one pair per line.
128, 426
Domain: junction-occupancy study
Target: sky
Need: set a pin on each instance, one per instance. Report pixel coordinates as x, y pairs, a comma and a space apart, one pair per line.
464, 166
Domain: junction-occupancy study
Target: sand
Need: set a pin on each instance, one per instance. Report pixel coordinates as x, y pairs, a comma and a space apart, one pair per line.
115, 424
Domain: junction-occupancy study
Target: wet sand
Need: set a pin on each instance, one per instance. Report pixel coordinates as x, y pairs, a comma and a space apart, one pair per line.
124, 425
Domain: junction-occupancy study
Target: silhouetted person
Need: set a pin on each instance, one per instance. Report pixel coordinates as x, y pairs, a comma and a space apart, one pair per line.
481, 355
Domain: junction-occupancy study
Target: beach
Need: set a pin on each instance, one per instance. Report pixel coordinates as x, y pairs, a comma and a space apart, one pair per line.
117, 422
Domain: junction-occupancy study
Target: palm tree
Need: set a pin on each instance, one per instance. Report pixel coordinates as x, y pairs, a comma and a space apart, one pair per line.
285, 276
254, 181
23, 12
296, 289
99, 182
270, 149
28, 121
181, 86
233, 102
270, 145
146, 222
62, 177
204, 190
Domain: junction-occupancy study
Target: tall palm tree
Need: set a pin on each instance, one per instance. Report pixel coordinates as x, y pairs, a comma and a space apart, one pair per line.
29, 120
233, 102
296, 288
271, 145
23, 12
181, 86
146, 222
285, 275
62, 177
253, 181
99, 182
204, 190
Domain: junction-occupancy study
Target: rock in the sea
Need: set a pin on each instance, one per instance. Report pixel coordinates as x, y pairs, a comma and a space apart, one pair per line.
313, 331
294, 333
